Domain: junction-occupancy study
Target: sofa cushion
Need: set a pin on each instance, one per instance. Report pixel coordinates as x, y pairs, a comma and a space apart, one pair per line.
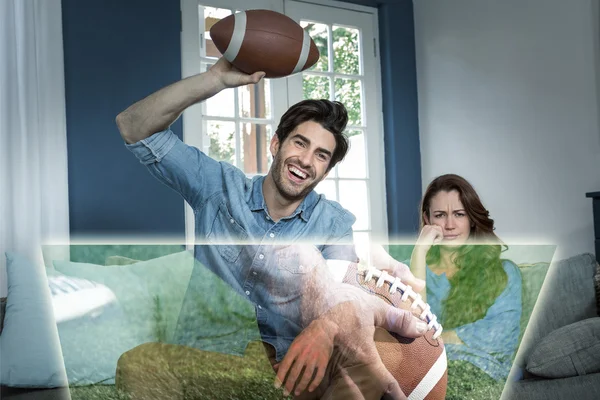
597, 286
29, 344
149, 295
568, 351
149, 292
2, 311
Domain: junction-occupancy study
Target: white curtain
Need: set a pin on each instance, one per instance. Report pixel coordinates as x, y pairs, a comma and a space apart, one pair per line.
34, 208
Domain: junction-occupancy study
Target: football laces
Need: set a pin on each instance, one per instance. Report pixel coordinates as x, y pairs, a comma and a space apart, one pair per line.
396, 285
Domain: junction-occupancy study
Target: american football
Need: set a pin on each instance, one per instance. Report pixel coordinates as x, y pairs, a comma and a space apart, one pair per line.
264, 40
419, 365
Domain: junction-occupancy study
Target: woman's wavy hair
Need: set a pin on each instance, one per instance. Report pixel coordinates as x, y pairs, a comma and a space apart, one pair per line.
480, 277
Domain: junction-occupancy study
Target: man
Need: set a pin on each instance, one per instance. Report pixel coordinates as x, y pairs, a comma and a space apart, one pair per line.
247, 220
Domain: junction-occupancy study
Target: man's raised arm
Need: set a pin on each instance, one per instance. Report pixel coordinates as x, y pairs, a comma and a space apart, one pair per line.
158, 111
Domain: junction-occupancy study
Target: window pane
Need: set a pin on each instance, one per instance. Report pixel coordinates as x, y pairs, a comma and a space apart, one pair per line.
222, 104
255, 145
315, 87
255, 100
222, 140
319, 35
348, 91
327, 187
345, 50
212, 16
353, 197
354, 164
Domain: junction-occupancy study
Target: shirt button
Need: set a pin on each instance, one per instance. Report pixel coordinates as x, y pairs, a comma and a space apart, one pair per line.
253, 272
261, 256
259, 307
267, 217
232, 220
247, 293
272, 235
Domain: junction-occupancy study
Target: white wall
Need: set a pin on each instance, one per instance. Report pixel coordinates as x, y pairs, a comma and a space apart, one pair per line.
508, 98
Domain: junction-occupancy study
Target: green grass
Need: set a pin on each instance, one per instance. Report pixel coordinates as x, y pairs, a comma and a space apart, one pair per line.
465, 381
251, 377
222, 377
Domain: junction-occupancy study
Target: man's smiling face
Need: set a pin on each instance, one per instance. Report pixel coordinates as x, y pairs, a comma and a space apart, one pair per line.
301, 161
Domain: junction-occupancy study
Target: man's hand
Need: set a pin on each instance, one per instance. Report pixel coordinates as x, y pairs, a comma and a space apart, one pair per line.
341, 317
307, 356
229, 76
429, 236
350, 326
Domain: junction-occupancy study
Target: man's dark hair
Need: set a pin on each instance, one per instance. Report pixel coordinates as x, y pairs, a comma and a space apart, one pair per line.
332, 115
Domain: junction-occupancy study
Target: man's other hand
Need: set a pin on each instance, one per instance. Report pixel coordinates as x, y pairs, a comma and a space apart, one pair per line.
308, 356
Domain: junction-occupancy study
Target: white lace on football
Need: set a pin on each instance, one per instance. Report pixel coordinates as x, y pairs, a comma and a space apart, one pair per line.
406, 290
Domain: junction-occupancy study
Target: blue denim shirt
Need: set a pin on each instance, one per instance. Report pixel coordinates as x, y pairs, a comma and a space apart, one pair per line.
489, 343
236, 239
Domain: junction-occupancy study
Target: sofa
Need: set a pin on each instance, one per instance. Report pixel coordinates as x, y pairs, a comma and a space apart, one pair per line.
559, 355
150, 300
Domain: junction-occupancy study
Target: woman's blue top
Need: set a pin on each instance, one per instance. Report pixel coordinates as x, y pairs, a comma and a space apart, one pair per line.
489, 343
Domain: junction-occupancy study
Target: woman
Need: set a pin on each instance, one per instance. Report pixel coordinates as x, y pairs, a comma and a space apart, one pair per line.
475, 294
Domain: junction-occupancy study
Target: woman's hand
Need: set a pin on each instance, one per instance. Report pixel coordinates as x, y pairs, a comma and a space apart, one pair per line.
430, 235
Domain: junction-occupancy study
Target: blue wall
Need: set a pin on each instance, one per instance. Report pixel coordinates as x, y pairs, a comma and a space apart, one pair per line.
117, 52
400, 116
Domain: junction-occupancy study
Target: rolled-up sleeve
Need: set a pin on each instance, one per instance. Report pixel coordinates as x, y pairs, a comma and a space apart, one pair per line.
154, 148
183, 168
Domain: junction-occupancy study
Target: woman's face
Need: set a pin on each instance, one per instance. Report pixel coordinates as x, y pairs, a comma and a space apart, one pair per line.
446, 210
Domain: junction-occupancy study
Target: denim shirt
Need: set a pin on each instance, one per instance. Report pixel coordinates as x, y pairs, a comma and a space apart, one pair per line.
489, 343
236, 239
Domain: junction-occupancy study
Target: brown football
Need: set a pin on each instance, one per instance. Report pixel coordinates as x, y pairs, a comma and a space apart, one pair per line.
264, 40
419, 365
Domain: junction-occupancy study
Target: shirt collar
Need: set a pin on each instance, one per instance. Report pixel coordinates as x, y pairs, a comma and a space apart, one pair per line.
257, 200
